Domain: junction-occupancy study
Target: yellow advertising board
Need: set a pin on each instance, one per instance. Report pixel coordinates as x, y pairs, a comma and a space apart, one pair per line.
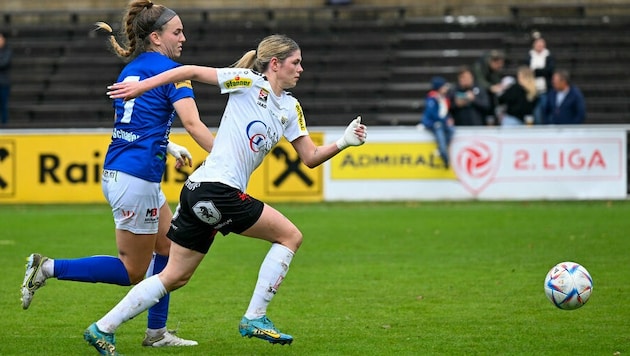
66, 168
389, 160
283, 177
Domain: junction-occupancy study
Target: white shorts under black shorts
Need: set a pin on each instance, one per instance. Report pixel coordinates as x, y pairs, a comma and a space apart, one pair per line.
135, 202
208, 207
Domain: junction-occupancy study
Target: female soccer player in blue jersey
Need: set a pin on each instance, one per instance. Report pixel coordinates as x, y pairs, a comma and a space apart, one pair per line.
258, 113
134, 165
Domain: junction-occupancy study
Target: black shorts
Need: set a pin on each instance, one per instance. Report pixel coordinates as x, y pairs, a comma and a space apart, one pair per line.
208, 207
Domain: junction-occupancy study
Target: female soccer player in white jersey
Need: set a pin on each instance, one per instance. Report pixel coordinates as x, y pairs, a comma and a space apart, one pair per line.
134, 165
258, 113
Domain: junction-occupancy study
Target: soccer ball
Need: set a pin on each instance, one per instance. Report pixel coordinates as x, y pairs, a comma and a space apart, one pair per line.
568, 285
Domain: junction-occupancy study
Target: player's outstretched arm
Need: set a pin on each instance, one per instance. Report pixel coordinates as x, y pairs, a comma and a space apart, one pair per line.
128, 90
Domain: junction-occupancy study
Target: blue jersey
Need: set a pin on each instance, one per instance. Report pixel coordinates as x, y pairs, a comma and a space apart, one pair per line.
142, 125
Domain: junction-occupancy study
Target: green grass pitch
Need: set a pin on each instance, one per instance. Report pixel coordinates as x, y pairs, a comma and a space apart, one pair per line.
421, 278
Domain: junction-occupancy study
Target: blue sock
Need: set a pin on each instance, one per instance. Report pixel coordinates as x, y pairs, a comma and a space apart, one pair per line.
159, 312
103, 269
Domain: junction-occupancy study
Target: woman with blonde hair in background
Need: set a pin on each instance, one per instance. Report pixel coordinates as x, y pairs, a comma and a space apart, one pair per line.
519, 99
134, 165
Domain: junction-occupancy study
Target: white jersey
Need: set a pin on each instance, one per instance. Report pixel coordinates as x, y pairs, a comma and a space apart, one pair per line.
253, 122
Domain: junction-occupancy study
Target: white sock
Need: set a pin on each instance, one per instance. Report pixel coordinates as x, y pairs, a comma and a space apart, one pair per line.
272, 272
48, 268
156, 332
140, 298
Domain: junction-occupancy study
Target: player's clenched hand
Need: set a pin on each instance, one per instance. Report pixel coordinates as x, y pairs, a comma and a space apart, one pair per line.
354, 135
180, 153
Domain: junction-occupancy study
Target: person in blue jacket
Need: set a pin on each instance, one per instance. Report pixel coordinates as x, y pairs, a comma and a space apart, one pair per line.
134, 165
565, 104
437, 118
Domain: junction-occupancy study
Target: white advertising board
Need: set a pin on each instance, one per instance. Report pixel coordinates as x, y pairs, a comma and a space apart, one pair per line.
523, 163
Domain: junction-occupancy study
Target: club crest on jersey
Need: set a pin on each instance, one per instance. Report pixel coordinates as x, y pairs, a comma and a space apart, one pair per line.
262, 98
207, 212
237, 82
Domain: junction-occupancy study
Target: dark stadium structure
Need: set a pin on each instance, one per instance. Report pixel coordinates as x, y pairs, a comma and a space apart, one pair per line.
372, 61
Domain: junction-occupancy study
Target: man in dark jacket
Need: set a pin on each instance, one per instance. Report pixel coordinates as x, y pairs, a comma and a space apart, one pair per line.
470, 103
488, 72
565, 104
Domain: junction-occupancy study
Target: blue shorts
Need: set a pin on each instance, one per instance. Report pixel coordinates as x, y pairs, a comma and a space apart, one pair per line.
207, 207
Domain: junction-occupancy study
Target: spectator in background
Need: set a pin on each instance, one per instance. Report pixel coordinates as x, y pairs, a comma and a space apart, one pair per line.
470, 103
540, 60
519, 99
5, 80
565, 104
488, 71
437, 118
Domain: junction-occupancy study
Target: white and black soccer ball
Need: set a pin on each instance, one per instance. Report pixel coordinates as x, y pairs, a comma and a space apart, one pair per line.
568, 285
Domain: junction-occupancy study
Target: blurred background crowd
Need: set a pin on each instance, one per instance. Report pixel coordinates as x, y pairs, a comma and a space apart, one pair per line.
502, 62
